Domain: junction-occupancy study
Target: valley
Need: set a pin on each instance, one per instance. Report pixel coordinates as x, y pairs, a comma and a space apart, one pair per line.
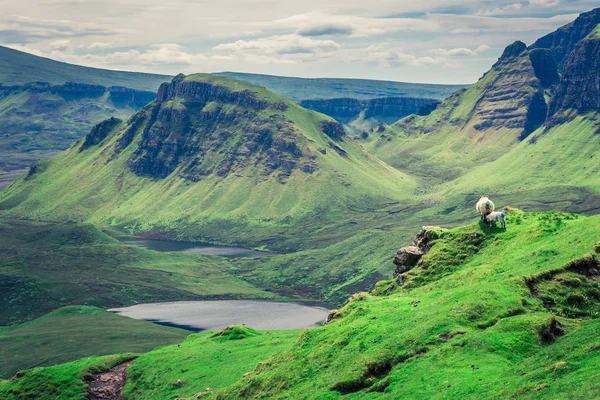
218, 200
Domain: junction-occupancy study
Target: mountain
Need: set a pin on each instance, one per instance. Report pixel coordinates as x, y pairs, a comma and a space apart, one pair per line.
19, 68
39, 119
46, 105
298, 89
211, 158
532, 116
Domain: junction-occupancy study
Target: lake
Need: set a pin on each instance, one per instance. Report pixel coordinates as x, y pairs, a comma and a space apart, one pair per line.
193, 247
206, 315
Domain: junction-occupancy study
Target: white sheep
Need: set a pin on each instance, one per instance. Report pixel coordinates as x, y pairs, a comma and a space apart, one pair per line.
484, 206
492, 218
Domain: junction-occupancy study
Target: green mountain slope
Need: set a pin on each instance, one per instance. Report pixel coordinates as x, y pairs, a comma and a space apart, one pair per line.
74, 332
482, 314
19, 68
526, 93
211, 158
298, 89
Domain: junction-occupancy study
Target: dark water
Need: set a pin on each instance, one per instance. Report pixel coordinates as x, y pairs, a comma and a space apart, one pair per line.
193, 247
206, 315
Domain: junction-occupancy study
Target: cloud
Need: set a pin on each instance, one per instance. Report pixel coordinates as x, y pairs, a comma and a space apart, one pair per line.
326, 28
507, 9
460, 51
288, 48
544, 3
100, 46
395, 57
61, 45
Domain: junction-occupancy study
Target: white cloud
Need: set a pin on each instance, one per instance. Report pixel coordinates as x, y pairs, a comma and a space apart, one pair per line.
61, 45
100, 46
507, 9
395, 57
460, 51
279, 48
544, 3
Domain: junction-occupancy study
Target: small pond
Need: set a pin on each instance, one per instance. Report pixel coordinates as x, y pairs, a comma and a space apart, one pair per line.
193, 247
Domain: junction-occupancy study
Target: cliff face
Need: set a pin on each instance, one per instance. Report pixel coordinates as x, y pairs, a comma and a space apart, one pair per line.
579, 88
385, 109
564, 40
200, 128
514, 98
40, 119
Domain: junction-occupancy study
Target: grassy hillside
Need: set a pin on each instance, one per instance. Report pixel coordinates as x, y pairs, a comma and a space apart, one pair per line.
298, 89
64, 381
18, 68
236, 164
204, 362
74, 332
45, 266
483, 314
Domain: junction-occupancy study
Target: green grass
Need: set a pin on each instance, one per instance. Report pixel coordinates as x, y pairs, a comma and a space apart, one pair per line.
45, 266
248, 206
73, 332
204, 362
17, 68
64, 381
465, 325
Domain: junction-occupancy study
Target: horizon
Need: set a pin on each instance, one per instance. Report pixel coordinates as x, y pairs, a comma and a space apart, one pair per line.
436, 42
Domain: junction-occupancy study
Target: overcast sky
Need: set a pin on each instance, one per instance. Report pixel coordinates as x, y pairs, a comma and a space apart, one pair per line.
437, 41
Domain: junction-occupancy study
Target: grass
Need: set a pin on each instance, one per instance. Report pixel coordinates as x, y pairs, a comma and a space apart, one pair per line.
73, 332
204, 362
65, 381
465, 325
489, 313
248, 206
45, 266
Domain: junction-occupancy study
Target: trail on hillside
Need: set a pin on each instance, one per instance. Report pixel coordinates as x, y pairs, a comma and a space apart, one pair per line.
110, 384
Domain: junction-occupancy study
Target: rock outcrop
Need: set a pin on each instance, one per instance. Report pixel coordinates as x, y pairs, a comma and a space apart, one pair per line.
514, 98
99, 133
407, 257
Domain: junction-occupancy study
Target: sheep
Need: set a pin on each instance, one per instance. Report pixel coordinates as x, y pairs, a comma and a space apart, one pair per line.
493, 217
484, 206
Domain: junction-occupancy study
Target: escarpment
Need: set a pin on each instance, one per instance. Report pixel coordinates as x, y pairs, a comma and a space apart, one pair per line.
386, 109
196, 128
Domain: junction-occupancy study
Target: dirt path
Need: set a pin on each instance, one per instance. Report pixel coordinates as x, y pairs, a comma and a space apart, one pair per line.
110, 384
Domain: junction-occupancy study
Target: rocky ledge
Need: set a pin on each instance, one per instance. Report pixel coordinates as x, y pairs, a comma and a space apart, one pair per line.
407, 257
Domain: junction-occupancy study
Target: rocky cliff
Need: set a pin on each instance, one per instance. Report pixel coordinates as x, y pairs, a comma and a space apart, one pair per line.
386, 109
579, 87
199, 128
39, 119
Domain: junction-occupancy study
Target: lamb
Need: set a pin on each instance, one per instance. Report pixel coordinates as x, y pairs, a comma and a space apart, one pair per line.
484, 206
493, 217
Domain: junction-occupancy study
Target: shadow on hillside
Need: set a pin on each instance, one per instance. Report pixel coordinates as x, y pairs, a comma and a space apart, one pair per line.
491, 230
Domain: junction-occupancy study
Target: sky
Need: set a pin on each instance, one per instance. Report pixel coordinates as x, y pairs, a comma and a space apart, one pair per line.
432, 41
